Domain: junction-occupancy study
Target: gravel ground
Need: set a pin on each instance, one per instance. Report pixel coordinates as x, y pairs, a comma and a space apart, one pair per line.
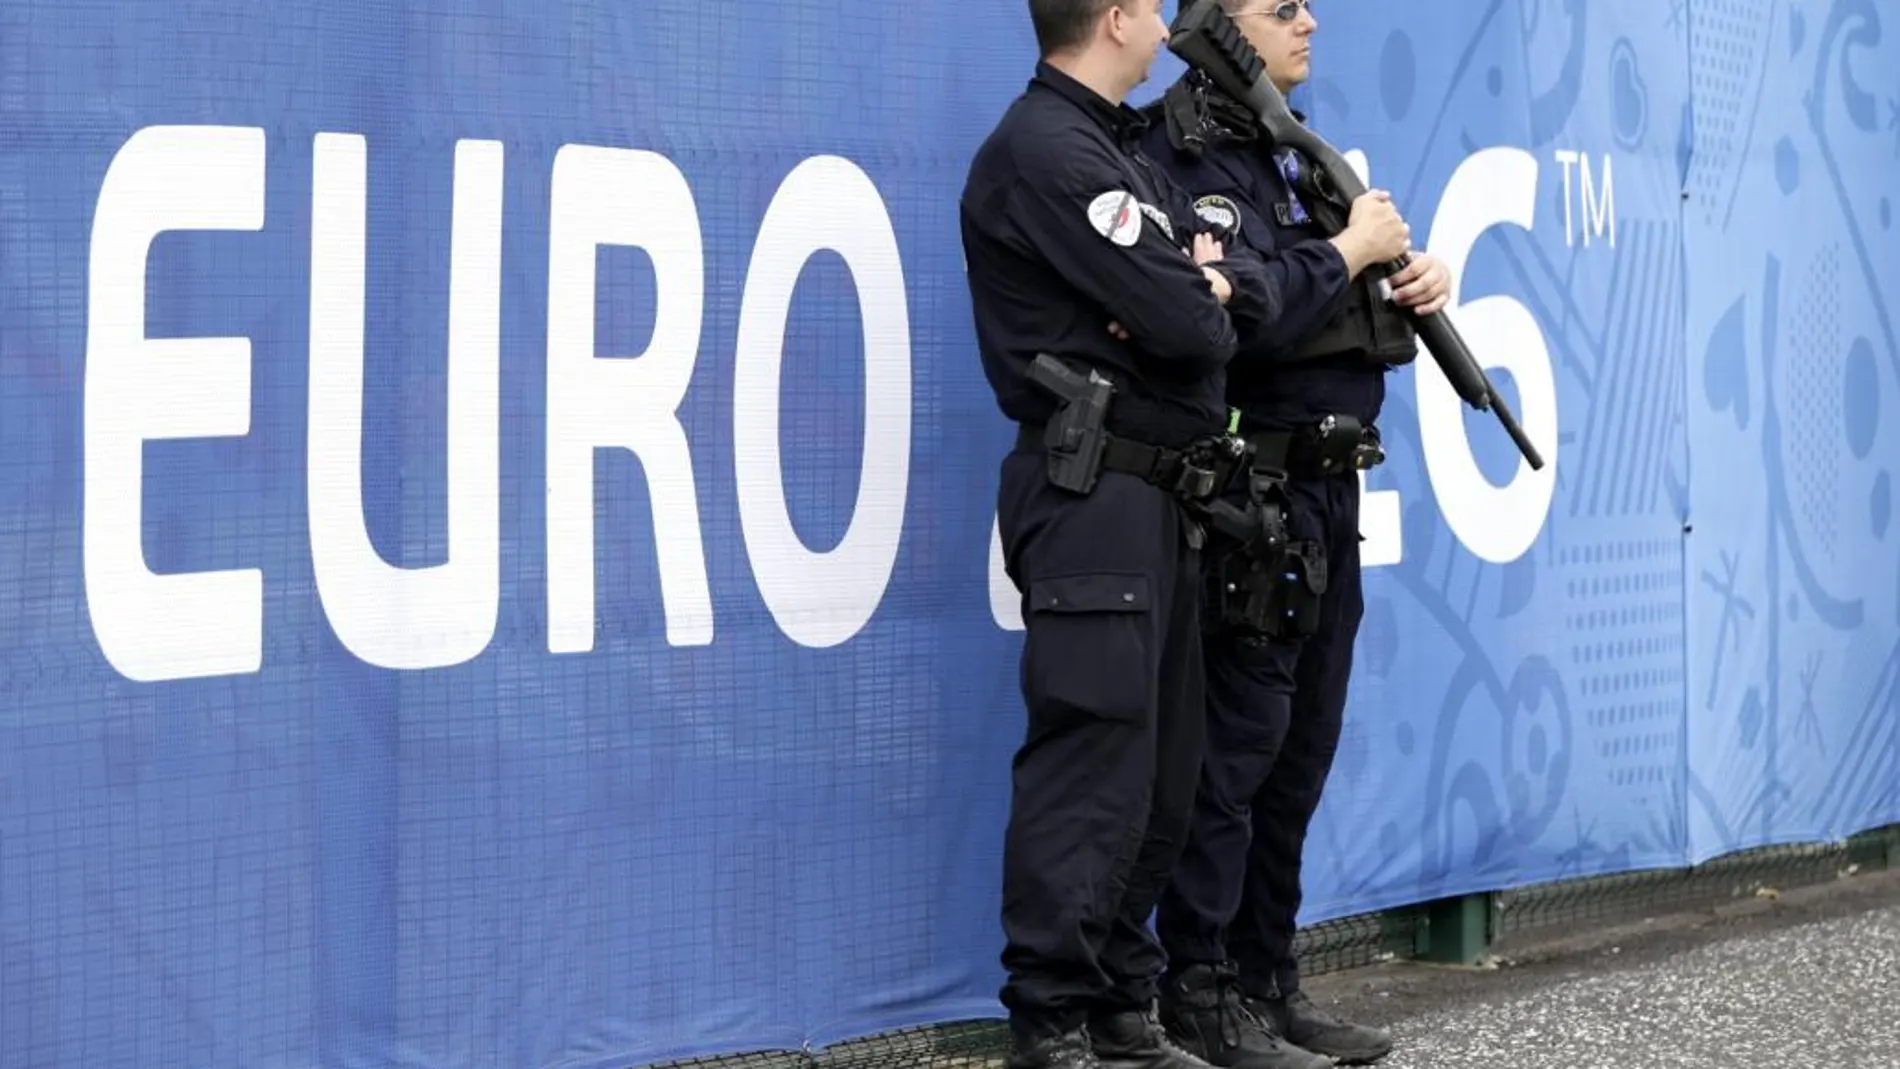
1812, 980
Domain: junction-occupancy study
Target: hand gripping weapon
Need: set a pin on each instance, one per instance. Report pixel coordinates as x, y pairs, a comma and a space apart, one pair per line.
1207, 40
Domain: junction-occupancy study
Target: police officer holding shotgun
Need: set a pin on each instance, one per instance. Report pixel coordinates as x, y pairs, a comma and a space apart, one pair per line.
1309, 383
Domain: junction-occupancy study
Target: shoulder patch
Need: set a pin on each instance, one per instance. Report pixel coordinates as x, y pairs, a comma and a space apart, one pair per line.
1159, 218
1115, 216
1220, 213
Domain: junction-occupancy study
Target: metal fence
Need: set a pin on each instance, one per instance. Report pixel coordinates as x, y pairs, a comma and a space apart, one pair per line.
1355, 942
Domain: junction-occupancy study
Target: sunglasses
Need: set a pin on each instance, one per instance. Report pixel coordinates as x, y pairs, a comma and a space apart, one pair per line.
1285, 12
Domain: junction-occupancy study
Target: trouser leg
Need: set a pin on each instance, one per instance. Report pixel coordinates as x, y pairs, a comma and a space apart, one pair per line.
1133, 957
1249, 699
1261, 939
1101, 577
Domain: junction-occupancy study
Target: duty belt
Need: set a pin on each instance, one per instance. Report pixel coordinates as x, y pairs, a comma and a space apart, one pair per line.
1178, 471
1333, 445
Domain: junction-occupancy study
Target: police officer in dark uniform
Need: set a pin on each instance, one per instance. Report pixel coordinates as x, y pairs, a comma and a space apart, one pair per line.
1066, 231
1309, 383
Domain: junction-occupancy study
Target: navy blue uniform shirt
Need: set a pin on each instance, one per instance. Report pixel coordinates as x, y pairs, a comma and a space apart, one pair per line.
1242, 185
1066, 228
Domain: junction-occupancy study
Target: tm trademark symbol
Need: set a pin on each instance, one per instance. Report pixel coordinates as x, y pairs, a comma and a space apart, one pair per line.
1595, 195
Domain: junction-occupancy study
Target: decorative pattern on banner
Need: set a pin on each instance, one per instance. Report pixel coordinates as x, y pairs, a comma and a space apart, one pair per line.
1794, 580
496, 505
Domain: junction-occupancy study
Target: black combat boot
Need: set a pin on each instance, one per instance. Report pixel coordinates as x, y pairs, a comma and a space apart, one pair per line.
1303, 1022
1136, 1040
1045, 1045
1204, 1011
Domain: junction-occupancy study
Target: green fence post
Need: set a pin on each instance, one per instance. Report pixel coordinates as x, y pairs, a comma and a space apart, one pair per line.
1878, 848
1457, 931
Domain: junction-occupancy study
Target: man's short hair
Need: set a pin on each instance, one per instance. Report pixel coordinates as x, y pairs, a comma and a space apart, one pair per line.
1063, 25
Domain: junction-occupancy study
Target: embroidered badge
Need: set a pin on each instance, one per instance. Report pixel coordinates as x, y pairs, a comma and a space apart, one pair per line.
1115, 217
1160, 219
1221, 214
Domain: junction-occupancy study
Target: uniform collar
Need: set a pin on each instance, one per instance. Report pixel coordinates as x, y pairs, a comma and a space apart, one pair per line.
1119, 121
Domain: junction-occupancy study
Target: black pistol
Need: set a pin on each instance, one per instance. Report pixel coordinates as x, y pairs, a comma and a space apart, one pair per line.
1077, 435
1207, 40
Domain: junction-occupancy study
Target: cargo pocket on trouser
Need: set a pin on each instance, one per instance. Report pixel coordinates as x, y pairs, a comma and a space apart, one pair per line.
1090, 650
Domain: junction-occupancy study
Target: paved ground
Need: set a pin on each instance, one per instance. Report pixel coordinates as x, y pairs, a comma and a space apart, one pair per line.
1811, 979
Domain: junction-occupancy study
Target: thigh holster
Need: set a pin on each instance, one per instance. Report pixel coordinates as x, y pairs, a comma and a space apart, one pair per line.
1275, 594
1269, 585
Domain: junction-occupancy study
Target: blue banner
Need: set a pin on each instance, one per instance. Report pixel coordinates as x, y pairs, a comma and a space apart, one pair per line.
496, 503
